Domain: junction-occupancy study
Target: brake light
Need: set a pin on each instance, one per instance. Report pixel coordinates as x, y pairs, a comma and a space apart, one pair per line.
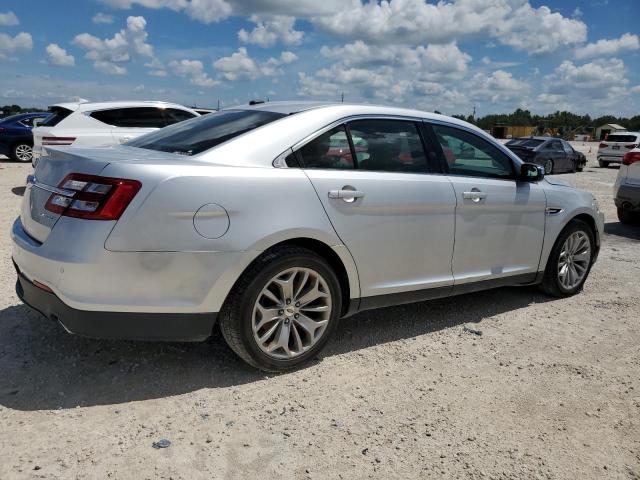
630, 146
92, 197
603, 145
58, 140
631, 157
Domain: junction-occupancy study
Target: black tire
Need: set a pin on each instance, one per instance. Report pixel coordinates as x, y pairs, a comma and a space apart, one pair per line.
548, 167
16, 156
235, 317
603, 164
550, 283
627, 217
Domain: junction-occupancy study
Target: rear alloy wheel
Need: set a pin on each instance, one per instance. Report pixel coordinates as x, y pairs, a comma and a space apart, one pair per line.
283, 309
627, 216
22, 152
570, 261
548, 167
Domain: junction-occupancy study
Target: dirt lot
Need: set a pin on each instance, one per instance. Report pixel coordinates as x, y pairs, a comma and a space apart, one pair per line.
550, 390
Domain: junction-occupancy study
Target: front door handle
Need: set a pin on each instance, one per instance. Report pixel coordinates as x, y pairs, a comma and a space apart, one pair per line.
346, 194
474, 195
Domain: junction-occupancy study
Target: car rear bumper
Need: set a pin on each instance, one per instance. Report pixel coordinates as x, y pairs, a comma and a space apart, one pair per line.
628, 197
610, 158
181, 327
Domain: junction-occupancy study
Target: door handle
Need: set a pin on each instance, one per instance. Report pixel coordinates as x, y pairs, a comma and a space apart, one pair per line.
346, 194
474, 195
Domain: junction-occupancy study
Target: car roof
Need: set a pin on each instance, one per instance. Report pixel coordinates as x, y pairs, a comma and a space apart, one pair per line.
286, 107
20, 116
536, 138
89, 106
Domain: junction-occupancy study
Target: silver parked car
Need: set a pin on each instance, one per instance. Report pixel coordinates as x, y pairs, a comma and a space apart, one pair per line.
278, 219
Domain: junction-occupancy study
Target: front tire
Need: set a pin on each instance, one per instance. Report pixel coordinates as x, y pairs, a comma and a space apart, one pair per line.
22, 152
282, 310
570, 260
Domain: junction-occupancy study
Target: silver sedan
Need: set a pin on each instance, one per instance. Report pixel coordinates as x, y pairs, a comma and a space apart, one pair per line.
276, 220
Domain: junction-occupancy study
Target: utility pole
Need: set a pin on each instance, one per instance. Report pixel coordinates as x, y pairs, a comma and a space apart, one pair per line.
218, 104
342, 97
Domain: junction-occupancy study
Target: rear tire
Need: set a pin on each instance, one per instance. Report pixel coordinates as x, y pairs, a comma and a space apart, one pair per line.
21, 152
564, 263
245, 309
548, 167
627, 217
603, 164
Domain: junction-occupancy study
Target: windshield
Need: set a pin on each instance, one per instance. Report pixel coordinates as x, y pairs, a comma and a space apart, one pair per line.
524, 142
199, 134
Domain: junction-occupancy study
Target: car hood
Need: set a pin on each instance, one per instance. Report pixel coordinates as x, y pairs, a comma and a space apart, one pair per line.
553, 180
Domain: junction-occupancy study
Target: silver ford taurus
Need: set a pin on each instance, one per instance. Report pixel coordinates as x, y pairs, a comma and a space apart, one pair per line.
278, 219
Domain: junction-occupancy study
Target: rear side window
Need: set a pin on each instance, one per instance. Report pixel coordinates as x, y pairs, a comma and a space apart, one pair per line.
202, 133
328, 151
174, 115
467, 154
134, 117
57, 115
622, 138
567, 148
388, 146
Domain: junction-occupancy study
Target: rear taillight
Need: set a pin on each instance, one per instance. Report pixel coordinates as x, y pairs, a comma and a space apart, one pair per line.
58, 140
92, 197
603, 145
630, 146
631, 157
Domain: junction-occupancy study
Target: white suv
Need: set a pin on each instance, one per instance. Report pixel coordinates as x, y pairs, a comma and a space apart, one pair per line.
615, 146
105, 123
627, 188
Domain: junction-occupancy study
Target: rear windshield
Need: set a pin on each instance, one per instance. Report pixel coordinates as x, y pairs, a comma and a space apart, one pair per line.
199, 134
524, 142
57, 115
621, 138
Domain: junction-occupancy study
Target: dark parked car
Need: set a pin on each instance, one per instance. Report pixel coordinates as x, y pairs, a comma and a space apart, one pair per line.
16, 139
554, 154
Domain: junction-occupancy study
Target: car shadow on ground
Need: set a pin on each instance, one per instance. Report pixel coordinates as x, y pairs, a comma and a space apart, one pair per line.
43, 367
620, 230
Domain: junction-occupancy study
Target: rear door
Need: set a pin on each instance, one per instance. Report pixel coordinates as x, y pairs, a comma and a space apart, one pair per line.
396, 219
499, 220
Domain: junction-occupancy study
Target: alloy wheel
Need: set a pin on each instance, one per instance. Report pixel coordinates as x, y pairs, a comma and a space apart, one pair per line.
24, 153
574, 260
548, 167
291, 313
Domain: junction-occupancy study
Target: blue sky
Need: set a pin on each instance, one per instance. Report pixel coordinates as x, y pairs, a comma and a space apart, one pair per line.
496, 55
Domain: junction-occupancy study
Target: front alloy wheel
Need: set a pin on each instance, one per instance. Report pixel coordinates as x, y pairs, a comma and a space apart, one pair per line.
22, 152
570, 260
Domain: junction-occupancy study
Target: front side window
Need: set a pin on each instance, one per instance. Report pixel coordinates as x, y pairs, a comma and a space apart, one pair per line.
329, 150
202, 133
388, 146
469, 155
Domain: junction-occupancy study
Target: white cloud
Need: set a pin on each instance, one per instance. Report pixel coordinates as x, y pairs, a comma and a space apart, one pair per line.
102, 18
59, 56
8, 19
8, 44
139, 88
635, 89
270, 30
609, 47
239, 65
194, 70
111, 54
602, 78
500, 86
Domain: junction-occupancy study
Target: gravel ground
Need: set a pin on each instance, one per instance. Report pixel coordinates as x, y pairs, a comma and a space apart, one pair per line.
551, 389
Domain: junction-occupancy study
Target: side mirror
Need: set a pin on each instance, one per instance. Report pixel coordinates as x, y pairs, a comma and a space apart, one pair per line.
530, 172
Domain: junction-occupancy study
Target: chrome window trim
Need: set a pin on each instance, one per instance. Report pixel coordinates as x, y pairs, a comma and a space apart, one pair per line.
32, 181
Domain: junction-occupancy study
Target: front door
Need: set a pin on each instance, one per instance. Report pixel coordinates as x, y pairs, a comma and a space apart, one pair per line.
395, 218
499, 220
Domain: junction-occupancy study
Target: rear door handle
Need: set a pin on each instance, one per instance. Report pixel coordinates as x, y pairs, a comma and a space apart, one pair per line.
347, 195
475, 196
